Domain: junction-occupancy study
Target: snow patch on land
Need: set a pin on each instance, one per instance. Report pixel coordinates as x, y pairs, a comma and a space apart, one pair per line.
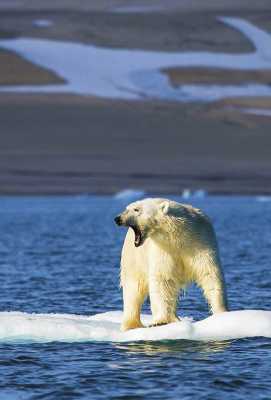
257, 111
135, 74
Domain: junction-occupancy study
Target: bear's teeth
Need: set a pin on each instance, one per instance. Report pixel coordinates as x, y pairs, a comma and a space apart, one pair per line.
137, 236
137, 240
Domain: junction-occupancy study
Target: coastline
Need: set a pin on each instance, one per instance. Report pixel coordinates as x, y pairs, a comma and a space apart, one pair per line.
70, 144
158, 147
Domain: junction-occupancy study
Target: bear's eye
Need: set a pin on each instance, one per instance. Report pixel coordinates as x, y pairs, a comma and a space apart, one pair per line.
136, 210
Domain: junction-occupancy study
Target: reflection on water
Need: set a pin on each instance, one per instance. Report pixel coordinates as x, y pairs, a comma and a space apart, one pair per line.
184, 346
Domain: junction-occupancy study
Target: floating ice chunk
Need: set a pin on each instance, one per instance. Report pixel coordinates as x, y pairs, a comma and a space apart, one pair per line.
198, 194
129, 194
17, 326
186, 193
263, 199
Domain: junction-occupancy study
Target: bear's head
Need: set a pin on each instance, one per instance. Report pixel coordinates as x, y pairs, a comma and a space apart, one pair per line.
143, 217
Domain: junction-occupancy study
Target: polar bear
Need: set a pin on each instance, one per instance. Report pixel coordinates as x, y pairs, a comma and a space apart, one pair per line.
168, 246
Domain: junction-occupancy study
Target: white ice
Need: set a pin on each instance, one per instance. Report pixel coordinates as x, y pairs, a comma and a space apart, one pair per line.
129, 194
198, 194
134, 74
17, 326
263, 199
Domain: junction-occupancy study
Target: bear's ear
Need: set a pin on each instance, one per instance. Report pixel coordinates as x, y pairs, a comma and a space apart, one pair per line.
164, 207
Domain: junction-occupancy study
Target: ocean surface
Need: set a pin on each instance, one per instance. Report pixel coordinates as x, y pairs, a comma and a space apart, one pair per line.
61, 255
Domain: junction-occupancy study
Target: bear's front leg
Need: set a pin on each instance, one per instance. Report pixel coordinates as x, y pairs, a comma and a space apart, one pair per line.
133, 297
163, 299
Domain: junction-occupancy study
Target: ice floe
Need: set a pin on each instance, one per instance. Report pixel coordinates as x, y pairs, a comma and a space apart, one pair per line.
129, 194
198, 194
18, 326
263, 199
135, 74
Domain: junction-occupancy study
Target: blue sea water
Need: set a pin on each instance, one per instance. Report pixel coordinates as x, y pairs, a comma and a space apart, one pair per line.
61, 255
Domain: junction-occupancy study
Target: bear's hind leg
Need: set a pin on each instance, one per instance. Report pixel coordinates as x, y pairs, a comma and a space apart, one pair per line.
212, 285
133, 298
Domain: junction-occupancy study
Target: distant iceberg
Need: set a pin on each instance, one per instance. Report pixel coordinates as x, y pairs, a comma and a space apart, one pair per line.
200, 193
263, 199
129, 194
196, 194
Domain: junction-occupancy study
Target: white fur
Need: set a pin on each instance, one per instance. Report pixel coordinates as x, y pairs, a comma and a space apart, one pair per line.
180, 248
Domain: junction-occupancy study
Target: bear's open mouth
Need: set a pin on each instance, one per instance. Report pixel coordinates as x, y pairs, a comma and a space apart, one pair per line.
138, 236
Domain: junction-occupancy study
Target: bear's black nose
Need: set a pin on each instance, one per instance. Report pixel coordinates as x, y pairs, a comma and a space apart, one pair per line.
118, 220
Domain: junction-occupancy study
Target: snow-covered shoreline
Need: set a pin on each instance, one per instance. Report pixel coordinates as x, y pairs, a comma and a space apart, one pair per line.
135, 74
